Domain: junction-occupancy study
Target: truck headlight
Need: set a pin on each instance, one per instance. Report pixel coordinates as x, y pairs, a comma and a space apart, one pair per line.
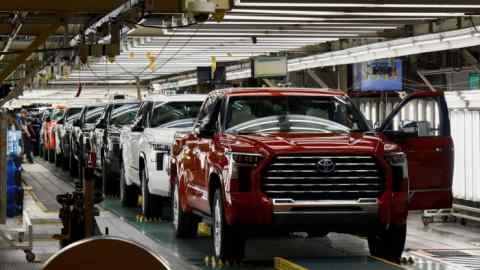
399, 165
160, 147
240, 166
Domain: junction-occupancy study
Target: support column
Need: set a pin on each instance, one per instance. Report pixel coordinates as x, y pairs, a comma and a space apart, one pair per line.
3, 167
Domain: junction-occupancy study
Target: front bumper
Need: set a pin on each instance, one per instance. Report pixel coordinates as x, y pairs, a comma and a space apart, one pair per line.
262, 214
329, 215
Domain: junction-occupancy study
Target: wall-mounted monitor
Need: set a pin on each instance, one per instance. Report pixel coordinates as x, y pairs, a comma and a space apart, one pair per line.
204, 75
269, 67
379, 75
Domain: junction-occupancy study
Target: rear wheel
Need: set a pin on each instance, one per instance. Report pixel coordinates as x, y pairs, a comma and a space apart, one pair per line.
389, 243
51, 156
45, 153
185, 225
151, 204
58, 159
228, 243
128, 194
73, 165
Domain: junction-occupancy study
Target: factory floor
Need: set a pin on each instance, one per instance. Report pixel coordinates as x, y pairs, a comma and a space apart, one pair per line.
442, 245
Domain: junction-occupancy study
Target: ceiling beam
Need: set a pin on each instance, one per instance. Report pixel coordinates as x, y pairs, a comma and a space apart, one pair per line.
12, 66
71, 6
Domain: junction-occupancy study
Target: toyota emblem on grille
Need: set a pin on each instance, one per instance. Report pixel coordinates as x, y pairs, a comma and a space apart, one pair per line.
326, 165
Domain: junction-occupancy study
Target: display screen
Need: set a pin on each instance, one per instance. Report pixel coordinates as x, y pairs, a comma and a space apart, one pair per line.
379, 75
269, 67
204, 75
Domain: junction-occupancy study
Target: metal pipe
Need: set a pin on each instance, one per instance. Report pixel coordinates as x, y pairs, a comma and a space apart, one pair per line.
16, 29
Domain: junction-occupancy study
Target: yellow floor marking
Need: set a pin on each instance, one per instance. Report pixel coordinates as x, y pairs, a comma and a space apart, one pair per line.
387, 262
284, 264
38, 202
204, 229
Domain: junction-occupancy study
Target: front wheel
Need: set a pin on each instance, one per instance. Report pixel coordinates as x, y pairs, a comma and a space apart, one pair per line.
228, 243
128, 194
389, 243
185, 225
151, 203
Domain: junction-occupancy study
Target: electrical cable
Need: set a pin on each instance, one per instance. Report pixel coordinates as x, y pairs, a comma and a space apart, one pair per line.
179, 50
161, 27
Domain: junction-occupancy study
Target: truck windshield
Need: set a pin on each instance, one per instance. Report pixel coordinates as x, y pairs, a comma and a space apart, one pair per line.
93, 114
166, 113
71, 112
293, 114
57, 114
124, 115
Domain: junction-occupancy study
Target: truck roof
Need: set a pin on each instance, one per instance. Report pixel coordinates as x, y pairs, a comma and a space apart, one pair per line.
281, 91
186, 97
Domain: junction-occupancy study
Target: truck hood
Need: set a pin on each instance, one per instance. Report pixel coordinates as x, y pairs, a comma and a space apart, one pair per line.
276, 143
163, 135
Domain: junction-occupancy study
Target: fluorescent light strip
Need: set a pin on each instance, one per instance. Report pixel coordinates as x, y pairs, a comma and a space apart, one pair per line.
313, 19
294, 23
283, 4
340, 13
258, 34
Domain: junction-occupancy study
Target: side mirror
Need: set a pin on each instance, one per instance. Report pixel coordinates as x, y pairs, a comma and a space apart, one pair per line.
420, 128
423, 129
204, 130
137, 126
101, 124
77, 123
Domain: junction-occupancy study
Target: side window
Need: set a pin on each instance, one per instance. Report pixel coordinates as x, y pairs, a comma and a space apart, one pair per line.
210, 112
204, 111
419, 115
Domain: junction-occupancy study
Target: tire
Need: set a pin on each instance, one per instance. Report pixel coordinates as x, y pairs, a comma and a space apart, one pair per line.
73, 166
45, 154
107, 187
151, 203
51, 156
58, 159
228, 244
185, 225
128, 194
388, 244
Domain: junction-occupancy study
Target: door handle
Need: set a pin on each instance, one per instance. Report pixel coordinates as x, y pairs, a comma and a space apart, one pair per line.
439, 149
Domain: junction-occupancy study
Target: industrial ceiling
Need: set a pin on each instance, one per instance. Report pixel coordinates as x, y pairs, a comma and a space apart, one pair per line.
162, 42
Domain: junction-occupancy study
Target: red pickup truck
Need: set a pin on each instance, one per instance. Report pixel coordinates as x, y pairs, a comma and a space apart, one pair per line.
276, 161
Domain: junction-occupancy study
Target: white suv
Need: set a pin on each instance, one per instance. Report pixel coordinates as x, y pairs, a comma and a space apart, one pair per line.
146, 150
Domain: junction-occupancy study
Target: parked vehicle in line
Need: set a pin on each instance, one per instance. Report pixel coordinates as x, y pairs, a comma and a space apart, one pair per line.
146, 149
49, 142
79, 136
303, 160
105, 141
60, 133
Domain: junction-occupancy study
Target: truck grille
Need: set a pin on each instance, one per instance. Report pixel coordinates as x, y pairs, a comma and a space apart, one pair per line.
303, 178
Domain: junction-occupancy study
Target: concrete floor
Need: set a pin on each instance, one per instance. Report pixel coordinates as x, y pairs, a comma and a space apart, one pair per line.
437, 246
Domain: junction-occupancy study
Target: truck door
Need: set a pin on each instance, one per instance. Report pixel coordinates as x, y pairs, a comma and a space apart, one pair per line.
420, 125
